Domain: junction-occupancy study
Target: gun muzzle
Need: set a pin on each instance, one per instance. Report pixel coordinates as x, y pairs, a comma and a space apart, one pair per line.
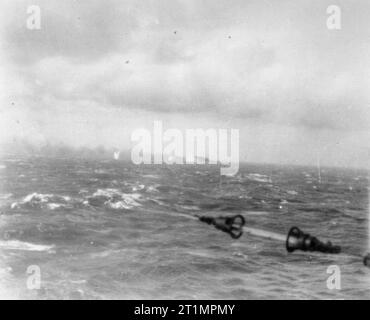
232, 225
298, 240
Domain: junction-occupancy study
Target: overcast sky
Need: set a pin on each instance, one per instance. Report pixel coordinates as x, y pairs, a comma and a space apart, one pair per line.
96, 70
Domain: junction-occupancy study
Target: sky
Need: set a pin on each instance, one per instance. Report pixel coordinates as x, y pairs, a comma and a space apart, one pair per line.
96, 70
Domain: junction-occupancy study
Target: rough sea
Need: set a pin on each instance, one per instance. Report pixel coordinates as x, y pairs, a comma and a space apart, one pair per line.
107, 229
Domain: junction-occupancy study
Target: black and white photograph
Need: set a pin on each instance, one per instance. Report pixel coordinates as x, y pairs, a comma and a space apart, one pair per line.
184, 150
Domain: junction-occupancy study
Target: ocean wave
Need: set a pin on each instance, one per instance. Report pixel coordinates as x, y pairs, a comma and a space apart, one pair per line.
159, 202
153, 188
109, 192
114, 199
325, 210
4, 196
258, 177
128, 202
256, 213
41, 200
151, 176
189, 207
53, 206
292, 192
138, 187
101, 171
26, 246
110, 198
